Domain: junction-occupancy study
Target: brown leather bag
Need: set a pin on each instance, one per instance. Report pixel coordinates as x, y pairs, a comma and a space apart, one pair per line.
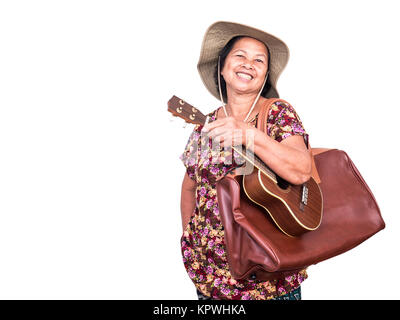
257, 249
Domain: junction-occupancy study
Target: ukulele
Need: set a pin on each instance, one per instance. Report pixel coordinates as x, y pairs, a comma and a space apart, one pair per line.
295, 209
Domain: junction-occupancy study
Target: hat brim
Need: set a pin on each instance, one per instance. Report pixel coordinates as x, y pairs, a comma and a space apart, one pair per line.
219, 34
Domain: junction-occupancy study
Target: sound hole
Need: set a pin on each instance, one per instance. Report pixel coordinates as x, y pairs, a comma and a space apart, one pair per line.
282, 183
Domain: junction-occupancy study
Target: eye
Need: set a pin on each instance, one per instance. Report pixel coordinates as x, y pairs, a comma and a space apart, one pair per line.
260, 60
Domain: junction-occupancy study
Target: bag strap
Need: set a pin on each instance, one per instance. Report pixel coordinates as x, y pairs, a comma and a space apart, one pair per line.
262, 125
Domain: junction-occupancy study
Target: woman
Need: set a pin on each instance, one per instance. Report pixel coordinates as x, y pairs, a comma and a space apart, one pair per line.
240, 65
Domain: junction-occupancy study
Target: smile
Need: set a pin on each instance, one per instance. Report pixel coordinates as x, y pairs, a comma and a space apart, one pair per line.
244, 76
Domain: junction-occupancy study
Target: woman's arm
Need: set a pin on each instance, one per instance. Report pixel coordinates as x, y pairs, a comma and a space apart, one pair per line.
290, 159
188, 199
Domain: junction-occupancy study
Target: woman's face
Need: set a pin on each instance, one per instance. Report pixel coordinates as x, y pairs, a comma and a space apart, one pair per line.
246, 66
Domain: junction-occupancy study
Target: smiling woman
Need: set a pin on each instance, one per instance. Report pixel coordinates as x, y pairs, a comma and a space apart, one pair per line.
241, 54
240, 65
245, 67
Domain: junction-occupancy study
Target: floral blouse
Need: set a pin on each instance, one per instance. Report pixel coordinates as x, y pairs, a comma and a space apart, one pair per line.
202, 243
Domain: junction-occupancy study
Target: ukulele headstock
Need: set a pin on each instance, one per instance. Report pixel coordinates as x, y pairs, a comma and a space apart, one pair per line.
180, 108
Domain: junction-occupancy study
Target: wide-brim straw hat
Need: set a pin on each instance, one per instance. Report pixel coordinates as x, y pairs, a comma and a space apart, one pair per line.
219, 34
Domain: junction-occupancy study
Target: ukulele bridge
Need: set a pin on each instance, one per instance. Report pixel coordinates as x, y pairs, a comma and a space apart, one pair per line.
304, 194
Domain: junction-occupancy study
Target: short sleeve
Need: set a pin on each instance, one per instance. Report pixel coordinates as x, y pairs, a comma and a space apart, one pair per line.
189, 156
283, 122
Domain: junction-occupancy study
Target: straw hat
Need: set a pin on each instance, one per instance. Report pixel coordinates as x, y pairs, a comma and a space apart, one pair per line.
219, 34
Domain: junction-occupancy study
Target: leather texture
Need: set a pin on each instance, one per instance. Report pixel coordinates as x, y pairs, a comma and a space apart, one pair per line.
257, 249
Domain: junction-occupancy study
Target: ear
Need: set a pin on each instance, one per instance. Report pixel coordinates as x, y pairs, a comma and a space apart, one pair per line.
222, 74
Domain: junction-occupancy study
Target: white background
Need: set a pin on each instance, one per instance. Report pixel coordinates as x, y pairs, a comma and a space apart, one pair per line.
89, 171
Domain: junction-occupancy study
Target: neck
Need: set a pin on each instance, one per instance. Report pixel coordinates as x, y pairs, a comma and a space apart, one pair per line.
238, 106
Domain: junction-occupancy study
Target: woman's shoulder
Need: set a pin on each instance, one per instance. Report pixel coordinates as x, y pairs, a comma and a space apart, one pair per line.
282, 108
283, 120
280, 105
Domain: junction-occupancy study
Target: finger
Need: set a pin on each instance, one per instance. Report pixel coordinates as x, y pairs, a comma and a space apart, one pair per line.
227, 142
237, 139
224, 140
215, 124
235, 136
210, 126
217, 132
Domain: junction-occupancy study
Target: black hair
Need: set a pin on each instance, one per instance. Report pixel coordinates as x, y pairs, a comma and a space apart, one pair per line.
223, 54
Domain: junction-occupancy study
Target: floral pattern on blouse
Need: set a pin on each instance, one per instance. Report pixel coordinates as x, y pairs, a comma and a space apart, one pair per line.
202, 242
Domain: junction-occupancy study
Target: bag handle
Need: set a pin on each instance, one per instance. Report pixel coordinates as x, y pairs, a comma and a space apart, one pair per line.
262, 125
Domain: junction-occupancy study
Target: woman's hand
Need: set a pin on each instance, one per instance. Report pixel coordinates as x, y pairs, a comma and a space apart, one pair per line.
228, 131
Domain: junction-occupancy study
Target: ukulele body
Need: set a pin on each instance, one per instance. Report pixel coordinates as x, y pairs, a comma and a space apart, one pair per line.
295, 209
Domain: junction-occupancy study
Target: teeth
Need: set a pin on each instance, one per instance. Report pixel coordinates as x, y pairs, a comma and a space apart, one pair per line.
245, 76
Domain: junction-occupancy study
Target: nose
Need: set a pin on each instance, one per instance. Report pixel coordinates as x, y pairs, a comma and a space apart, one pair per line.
247, 64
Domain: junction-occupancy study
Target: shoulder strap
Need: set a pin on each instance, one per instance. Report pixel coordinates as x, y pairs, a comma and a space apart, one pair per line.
262, 125
263, 114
